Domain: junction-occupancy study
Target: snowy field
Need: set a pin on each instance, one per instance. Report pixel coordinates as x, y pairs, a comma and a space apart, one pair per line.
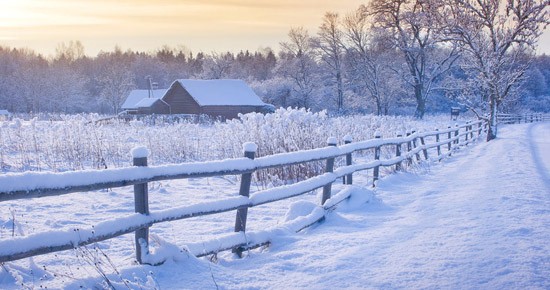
480, 219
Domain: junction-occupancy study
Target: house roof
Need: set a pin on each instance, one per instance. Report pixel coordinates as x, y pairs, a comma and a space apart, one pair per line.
136, 96
146, 103
221, 92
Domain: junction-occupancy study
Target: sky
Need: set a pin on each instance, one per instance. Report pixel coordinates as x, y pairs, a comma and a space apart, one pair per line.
146, 25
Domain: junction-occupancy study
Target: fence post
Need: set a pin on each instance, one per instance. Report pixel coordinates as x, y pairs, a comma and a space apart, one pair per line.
398, 152
244, 190
424, 150
449, 138
409, 158
141, 204
414, 146
329, 168
467, 132
438, 145
457, 141
479, 129
348, 179
376, 172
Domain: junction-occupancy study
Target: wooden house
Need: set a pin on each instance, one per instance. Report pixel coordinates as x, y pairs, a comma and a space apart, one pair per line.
217, 98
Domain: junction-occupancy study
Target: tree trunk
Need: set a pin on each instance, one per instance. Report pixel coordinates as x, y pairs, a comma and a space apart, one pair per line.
340, 91
420, 102
492, 124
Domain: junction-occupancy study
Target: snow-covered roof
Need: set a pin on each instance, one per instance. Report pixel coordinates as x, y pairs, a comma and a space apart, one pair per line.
221, 92
136, 96
146, 103
4, 112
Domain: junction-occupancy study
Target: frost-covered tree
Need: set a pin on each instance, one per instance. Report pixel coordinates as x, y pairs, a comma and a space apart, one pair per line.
217, 66
329, 43
369, 60
116, 82
414, 28
297, 64
496, 36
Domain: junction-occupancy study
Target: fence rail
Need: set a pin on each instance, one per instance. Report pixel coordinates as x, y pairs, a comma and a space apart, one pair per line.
522, 118
434, 145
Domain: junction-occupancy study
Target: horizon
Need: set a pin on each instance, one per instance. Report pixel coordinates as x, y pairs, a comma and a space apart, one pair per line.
199, 26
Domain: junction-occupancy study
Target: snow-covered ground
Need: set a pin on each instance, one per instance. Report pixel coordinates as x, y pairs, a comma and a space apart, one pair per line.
477, 220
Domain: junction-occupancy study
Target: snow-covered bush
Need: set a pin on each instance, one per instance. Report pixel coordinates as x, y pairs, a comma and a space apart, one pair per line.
75, 142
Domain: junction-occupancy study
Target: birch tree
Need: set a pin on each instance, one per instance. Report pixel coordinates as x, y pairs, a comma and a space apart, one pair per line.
496, 36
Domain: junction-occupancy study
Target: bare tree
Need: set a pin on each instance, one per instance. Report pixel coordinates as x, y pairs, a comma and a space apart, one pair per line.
297, 64
496, 36
329, 42
416, 31
116, 82
368, 59
217, 66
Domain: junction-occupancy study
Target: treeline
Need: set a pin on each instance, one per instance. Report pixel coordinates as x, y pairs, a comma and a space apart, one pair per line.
401, 58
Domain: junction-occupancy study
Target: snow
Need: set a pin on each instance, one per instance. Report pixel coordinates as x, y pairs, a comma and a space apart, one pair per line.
250, 147
477, 220
136, 96
348, 138
146, 102
139, 152
225, 92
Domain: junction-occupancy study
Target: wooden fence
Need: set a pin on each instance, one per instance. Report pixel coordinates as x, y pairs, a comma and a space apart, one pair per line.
522, 118
411, 148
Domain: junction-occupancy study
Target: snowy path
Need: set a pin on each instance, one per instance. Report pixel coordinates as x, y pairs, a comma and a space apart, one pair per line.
480, 220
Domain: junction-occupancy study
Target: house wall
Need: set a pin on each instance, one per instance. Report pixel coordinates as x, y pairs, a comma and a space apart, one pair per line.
228, 112
180, 101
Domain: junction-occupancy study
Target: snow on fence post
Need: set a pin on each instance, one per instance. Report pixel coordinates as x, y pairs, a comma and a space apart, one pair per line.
348, 179
438, 146
376, 172
471, 131
141, 204
409, 157
398, 153
329, 168
249, 149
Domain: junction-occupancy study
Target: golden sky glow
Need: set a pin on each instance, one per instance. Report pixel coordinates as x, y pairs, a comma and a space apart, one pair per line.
145, 25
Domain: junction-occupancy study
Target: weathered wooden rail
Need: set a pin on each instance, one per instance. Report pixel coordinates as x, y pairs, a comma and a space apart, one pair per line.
434, 145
